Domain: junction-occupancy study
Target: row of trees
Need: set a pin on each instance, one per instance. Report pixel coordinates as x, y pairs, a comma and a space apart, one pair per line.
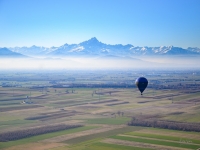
95, 86
53, 116
184, 126
3, 109
16, 135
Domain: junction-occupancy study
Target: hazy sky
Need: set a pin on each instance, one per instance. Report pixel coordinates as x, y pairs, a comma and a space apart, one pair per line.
138, 22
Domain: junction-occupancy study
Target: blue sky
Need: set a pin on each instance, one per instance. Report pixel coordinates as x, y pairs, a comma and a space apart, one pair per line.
138, 22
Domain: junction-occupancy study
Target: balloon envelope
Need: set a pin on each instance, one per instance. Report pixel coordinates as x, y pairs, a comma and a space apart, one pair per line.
141, 83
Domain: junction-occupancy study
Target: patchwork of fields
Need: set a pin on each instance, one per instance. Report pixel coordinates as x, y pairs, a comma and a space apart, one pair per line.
99, 115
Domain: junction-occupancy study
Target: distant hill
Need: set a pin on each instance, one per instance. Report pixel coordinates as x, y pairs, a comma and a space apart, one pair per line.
4, 52
33, 51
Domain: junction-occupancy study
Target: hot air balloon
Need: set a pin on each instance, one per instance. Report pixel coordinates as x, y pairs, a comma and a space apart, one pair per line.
141, 83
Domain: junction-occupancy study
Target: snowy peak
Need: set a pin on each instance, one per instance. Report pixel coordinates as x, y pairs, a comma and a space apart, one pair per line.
93, 39
194, 49
33, 51
77, 49
91, 42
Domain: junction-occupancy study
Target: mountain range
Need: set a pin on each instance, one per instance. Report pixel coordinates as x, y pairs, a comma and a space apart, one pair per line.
94, 47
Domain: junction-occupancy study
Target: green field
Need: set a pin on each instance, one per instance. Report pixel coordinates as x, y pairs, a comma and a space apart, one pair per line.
114, 121
164, 137
106, 146
157, 142
101, 135
44, 136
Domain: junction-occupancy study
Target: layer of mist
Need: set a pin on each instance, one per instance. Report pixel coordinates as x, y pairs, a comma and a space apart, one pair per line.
100, 63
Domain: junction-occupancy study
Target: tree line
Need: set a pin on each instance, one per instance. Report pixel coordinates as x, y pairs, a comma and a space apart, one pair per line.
19, 134
173, 125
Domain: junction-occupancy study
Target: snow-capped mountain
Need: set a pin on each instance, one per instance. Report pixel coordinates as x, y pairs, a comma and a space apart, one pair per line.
194, 49
91, 47
94, 47
162, 50
33, 51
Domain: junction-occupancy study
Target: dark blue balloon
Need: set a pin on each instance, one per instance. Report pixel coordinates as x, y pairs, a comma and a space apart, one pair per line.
141, 83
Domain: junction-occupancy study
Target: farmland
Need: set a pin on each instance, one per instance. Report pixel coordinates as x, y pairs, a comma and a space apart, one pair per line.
99, 110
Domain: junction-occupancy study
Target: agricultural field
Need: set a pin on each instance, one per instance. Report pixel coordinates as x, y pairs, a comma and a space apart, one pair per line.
94, 110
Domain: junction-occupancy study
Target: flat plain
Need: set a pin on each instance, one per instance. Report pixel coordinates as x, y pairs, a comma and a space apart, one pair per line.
97, 108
